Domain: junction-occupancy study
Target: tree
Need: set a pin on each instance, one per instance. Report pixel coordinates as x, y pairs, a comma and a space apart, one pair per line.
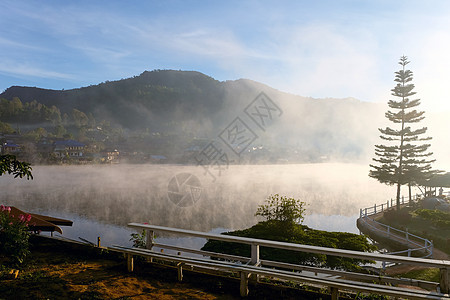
281, 208
59, 131
9, 164
6, 128
79, 118
36, 134
404, 160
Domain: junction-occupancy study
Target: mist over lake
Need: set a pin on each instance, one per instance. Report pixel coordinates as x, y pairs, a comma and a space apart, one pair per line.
115, 195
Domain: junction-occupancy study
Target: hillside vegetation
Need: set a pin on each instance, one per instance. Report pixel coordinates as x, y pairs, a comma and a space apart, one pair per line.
188, 106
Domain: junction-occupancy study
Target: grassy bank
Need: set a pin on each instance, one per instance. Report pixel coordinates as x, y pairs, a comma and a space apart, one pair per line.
428, 224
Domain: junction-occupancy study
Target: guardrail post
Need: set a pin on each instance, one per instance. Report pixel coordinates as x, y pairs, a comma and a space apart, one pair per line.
360, 213
180, 271
254, 261
150, 239
334, 293
407, 234
243, 288
130, 263
387, 203
365, 212
444, 277
375, 208
255, 254
389, 230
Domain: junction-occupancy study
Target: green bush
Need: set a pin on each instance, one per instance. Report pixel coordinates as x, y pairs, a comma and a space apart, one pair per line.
139, 239
281, 208
14, 235
439, 218
299, 234
282, 215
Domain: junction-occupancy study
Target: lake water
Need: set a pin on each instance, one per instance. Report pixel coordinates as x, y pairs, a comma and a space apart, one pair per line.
102, 199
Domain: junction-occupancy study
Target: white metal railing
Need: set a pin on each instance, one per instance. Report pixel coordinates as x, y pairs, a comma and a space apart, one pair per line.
255, 244
420, 244
372, 210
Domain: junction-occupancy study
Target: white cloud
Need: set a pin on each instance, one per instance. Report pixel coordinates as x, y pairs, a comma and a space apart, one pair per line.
23, 70
319, 61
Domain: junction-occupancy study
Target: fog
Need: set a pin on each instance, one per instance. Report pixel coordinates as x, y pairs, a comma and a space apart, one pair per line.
344, 131
119, 194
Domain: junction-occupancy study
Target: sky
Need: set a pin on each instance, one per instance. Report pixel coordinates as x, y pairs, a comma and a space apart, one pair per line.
315, 49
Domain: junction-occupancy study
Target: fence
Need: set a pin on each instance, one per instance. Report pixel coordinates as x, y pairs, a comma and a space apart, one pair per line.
419, 244
254, 266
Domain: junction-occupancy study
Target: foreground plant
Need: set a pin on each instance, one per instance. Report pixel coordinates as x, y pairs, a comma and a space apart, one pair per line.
14, 235
139, 239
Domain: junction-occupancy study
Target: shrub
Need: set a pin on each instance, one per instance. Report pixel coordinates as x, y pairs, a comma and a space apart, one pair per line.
439, 218
139, 239
281, 208
14, 235
283, 223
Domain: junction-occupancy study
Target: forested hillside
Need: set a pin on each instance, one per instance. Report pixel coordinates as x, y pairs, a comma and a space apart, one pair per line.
188, 105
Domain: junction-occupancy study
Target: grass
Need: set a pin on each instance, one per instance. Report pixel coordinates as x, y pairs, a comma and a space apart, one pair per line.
420, 226
59, 270
431, 274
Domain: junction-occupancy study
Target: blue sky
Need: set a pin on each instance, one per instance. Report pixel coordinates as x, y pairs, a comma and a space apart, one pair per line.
310, 48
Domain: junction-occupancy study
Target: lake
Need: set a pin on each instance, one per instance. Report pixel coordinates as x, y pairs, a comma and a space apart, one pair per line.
102, 199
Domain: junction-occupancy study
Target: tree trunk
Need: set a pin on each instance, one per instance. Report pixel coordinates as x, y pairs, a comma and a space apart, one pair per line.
398, 196
409, 190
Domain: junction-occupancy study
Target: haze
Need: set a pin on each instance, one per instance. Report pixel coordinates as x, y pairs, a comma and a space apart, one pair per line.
119, 194
345, 50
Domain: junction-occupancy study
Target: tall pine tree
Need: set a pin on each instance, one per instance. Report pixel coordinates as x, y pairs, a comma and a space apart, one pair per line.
405, 158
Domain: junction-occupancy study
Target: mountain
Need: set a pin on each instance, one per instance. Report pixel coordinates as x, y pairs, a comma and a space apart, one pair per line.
144, 100
188, 101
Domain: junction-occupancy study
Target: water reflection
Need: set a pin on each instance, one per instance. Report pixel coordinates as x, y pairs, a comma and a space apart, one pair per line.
110, 234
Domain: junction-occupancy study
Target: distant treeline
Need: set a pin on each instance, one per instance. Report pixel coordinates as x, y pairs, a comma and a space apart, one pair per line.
14, 111
148, 100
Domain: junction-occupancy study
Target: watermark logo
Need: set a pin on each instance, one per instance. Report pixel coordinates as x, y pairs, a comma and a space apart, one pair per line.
263, 111
184, 189
212, 159
238, 136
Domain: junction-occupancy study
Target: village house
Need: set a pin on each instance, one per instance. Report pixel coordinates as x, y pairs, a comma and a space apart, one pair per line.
9, 144
110, 155
45, 147
9, 147
68, 148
